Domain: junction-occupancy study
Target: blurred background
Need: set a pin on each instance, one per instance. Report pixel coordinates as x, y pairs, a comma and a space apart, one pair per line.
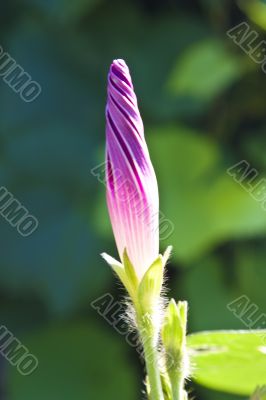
202, 100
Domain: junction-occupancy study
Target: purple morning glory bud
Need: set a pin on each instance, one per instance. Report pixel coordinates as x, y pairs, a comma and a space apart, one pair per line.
132, 191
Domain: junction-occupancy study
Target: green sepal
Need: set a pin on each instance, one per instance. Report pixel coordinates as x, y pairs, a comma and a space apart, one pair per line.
150, 286
166, 254
144, 293
132, 278
123, 273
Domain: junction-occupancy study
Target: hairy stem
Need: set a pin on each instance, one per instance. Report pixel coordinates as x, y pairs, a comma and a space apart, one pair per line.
178, 381
149, 341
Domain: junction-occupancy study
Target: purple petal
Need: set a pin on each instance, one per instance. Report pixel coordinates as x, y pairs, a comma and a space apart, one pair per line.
132, 192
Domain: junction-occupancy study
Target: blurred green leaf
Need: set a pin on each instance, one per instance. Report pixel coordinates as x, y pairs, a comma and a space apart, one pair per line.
205, 70
60, 261
48, 147
230, 361
63, 10
52, 58
251, 272
254, 148
47, 153
255, 11
205, 205
151, 71
67, 150
208, 276
76, 361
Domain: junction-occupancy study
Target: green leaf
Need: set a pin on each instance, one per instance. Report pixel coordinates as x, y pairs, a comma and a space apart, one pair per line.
230, 361
76, 361
205, 70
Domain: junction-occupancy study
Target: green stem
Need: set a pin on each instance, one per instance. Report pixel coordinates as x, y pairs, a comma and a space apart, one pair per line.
178, 382
149, 342
177, 375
